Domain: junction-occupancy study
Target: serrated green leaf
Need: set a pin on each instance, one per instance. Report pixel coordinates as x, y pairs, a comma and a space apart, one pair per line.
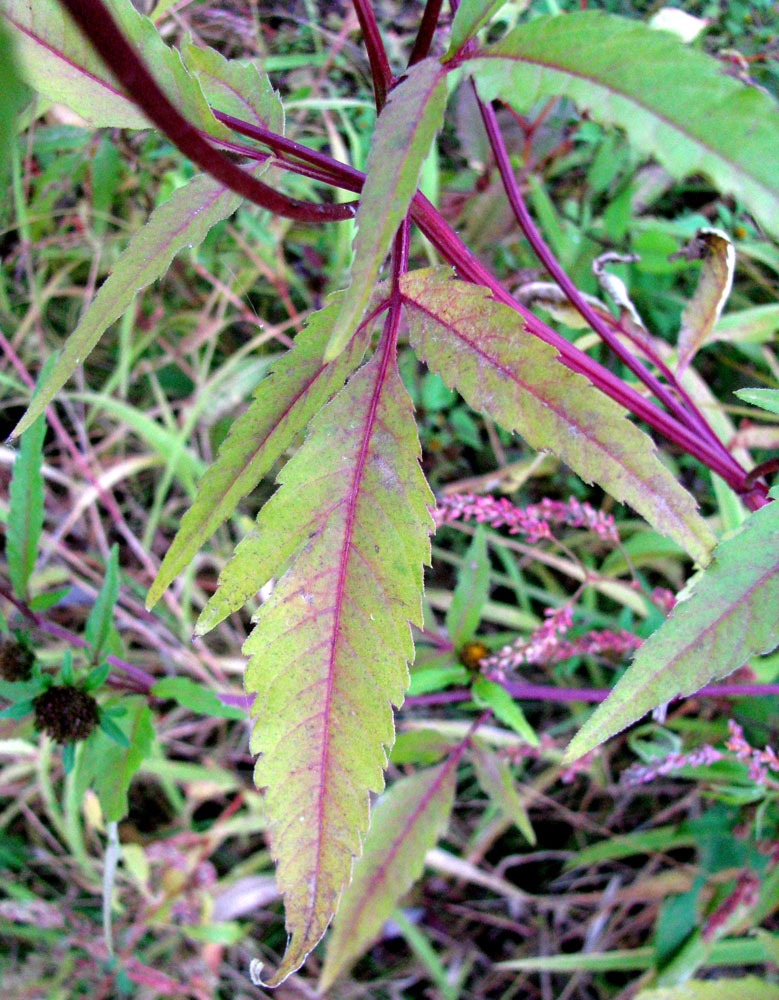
195, 697
25, 507
488, 694
404, 131
330, 648
495, 777
100, 623
182, 221
470, 16
766, 399
481, 347
297, 388
675, 104
714, 249
235, 87
745, 988
59, 62
729, 617
471, 592
407, 822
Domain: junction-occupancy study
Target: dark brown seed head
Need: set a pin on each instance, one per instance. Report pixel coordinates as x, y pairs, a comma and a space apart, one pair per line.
16, 661
472, 654
66, 713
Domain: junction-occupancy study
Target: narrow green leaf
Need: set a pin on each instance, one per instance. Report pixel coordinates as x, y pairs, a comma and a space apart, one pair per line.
195, 697
745, 988
714, 249
481, 347
488, 694
100, 624
61, 64
18, 710
235, 87
470, 16
113, 732
766, 399
330, 648
471, 592
729, 617
182, 221
404, 131
12, 97
297, 388
748, 326
675, 104
495, 777
406, 824
25, 507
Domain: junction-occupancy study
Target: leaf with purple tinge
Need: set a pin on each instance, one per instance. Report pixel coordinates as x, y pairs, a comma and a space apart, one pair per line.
406, 824
730, 616
330, 647
182, 221
298, 387
481, 348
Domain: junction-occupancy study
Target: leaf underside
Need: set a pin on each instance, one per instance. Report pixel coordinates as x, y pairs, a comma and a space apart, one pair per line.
61, 64
714, 283
730, 616
401, 140
480, 347
330, 648
297, 388
675, 104
407, 822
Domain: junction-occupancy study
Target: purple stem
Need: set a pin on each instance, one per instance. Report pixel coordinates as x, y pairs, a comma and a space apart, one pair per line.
688, 416
524, 691
377, 56
427, 27
97, 24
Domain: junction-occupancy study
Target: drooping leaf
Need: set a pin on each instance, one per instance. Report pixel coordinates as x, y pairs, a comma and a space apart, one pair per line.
110, 766
714, 249
729, 617
470, 16
489, 694
297, 388
471, 592
61, 64
182, 221
235, 86
675, 104
747, 987
406, 824
495, 777
100, 623
25, 508
404, 131
330, 648
480, 347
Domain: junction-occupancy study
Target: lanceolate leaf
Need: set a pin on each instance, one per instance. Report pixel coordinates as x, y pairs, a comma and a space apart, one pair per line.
480, 347
470, 16
12, 97
730, 616
100, 624
495, 777
235, 87
297, 388
181, 221
406, 824
62, 65
330, 648
404, 131
25, 508
675, 104
471, 593
713, 247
